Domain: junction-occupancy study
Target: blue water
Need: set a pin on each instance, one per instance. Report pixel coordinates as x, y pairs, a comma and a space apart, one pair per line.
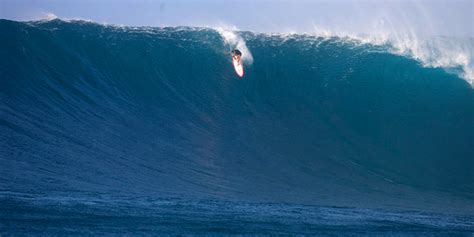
149, 131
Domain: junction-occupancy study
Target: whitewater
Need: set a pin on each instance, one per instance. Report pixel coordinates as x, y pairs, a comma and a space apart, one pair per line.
147, 130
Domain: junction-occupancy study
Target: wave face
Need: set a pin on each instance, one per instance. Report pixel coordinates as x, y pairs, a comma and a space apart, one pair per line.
145, 113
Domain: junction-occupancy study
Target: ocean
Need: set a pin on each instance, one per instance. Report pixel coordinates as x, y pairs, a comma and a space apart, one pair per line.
149, 131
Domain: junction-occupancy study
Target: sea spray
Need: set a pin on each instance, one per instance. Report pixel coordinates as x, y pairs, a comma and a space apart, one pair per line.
232, 39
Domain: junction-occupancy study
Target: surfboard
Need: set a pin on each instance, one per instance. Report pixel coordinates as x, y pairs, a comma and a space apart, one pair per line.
239, 69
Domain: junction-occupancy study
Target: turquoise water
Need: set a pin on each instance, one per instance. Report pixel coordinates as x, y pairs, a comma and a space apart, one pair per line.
148, 130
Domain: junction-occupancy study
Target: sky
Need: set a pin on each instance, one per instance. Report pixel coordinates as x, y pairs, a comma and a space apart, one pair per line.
425, 17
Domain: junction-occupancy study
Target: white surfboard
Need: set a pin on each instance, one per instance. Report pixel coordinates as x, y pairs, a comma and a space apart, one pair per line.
239, 69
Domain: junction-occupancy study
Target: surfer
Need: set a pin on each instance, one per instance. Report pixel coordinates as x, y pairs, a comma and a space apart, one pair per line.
236, 54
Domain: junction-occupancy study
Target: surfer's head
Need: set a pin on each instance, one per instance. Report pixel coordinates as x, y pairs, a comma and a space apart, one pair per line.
236, 52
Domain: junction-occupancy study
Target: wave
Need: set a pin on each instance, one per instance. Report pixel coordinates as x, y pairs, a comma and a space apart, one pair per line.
89, 108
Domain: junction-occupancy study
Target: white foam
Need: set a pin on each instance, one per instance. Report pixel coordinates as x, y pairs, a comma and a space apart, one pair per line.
46, 16
443, 52
438, 52
235, 41
50, 16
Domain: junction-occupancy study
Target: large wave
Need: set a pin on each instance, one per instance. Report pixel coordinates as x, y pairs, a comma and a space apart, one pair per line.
87, 108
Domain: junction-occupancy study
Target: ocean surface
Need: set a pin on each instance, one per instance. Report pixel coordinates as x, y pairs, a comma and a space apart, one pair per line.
149, 131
